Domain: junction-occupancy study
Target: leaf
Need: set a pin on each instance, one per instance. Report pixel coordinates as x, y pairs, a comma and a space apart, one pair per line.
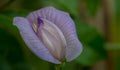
70, 6
10, 46
88, 56
93, 43
31, 5
3, 64
92, 6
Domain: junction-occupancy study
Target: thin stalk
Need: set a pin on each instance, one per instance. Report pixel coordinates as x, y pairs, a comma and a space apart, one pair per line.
107, 27
60, 66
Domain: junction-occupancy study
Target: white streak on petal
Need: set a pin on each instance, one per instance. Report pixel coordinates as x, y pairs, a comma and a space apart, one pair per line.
53, 39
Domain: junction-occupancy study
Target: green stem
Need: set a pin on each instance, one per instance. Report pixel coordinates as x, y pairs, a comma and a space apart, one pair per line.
60, 66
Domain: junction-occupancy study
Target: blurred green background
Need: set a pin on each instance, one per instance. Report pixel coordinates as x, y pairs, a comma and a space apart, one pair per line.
98, 28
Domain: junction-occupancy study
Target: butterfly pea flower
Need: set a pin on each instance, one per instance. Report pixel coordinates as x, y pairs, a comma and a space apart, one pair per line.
50, 34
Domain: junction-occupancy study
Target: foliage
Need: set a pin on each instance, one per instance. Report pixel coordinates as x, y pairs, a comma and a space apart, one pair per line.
14, 55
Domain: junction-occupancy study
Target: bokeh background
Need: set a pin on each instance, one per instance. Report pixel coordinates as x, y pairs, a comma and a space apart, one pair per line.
98, 28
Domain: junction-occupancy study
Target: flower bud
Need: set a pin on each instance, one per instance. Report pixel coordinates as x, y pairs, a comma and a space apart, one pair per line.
50, 34
52, 37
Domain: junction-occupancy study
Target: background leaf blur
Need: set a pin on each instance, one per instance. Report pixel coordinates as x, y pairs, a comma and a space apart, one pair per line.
14, 54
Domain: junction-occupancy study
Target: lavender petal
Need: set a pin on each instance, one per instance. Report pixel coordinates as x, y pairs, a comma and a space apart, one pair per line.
66, 24
32, 40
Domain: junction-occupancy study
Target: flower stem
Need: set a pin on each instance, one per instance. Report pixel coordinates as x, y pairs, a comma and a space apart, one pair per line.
60, 66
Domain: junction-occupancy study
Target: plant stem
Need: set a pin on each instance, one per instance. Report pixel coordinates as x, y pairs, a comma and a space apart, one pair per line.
60, 66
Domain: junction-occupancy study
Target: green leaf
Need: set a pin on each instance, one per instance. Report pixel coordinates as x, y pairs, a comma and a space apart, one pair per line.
3, 64
10, 51
89, 36
6, 20
70, 6
36, 4
92, 6
10, 46
12, 13
6, 23
88, 56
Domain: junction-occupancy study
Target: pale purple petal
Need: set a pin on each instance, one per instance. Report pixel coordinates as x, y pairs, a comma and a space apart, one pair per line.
65, 23
32, 40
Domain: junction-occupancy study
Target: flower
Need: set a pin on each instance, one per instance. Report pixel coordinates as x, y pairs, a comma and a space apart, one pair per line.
50, 34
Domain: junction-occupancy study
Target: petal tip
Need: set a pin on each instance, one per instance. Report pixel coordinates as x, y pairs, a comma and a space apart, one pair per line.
17, 19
